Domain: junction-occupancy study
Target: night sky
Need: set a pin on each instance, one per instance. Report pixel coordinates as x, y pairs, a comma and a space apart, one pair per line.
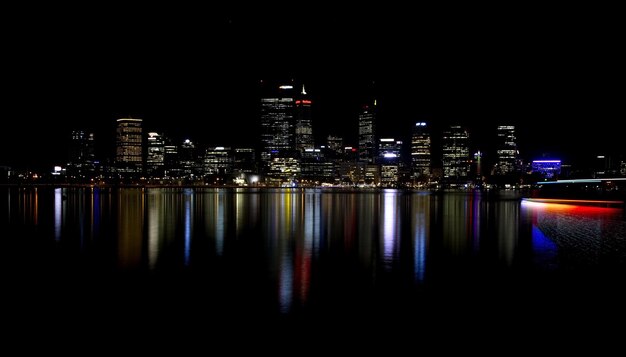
556, 72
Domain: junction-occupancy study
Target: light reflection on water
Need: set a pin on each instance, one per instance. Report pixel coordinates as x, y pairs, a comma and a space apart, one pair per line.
294, 242
577, 235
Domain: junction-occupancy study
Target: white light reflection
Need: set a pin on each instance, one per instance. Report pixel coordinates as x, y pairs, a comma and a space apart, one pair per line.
239, 211
58, 212
390, 227
188, 200
508, 214
311, 234
285, 284
219, 224
154, 226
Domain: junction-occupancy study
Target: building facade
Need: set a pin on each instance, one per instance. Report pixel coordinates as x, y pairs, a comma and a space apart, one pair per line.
390, 160
129, 145
155, 155
303, 122
277, 122
548, 169
367, 133
506, 152
420, 151
456, 159
82, 161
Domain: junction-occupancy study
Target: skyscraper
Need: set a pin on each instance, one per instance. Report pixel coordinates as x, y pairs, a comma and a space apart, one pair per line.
303, 125
507, 153
188, 159
81, 156
389, 160
277, 122
129, 154
456, 160
420, 150
367, 133
218, 160
155, 158
170, 160
244, 160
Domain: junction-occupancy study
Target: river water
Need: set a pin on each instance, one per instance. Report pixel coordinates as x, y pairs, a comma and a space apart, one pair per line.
294, 257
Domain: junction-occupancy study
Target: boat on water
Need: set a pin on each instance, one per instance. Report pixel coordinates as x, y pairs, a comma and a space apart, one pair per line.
609, 192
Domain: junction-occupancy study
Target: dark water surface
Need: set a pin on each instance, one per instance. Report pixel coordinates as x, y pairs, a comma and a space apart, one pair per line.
245, 260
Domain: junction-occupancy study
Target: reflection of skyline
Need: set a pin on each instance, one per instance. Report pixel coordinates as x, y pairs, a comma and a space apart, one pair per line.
508, 225
130, 214
281, 209
456, 223
367, 227
155, 223
58, 212
189, 194
420, 227
584, 234
294, 250
390, 227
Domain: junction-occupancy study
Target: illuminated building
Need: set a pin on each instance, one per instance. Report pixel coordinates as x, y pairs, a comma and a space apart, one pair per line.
277, 122
456, 160
507, 153
389, 158
350, 154
604, 166
129, 145
82, 158
622, 169
370, 174
367, 133
188, 159
170, 159
284, 169
218, 161
420, 150
335, 144
478, 164
314, 166
547, 168
303, 123
155, 158
244, 161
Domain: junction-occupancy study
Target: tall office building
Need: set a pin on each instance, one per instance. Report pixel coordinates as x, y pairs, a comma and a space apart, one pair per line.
420, 150
367, 133
389, 160
155, 158
303, 123
129, 145
218, 161
170, 160
244, 160
507, 154
277, 122
456, 159
82, 155
188, 159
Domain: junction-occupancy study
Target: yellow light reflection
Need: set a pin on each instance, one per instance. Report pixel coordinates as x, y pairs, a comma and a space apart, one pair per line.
130, 227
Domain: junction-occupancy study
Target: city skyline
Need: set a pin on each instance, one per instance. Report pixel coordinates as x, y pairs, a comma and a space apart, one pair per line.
483, 137
542, 71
